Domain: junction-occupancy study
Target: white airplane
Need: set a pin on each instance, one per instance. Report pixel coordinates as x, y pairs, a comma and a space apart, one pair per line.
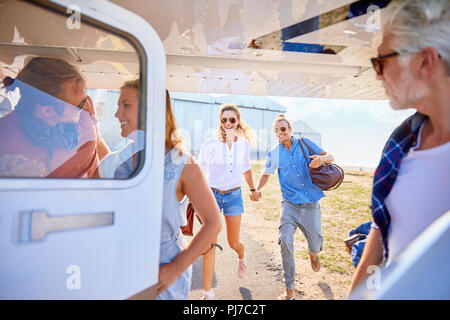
68, 238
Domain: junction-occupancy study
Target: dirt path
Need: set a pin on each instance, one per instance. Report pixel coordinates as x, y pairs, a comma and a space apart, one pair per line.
264, 279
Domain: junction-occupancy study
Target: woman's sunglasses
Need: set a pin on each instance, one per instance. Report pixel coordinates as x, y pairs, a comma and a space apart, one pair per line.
224, 120
377, 62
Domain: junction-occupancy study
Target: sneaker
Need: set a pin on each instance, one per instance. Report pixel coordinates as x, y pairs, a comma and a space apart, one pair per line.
208, 295
242, 269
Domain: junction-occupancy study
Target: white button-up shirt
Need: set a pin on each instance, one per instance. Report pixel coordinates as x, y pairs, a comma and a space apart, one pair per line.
224, 166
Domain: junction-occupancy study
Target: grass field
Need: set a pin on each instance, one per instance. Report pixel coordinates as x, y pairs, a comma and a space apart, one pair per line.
342, 209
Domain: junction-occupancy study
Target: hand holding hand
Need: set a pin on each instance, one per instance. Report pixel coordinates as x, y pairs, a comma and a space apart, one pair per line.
255, 196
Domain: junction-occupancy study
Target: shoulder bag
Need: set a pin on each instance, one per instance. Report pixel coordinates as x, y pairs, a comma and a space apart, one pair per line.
327, 176
188, 229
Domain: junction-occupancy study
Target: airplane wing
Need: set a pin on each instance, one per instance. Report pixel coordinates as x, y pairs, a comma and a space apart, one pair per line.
266, 47
295, 48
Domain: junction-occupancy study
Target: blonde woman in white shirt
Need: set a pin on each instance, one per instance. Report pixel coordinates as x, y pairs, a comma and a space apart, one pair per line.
226, 157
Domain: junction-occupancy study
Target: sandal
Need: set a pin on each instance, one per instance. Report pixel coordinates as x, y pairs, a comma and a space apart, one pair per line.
283, 296
315, 262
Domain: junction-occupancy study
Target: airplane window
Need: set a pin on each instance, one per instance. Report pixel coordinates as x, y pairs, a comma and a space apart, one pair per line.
69, 96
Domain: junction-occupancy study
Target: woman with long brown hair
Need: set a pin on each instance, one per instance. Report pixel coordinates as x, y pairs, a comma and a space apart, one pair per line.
227, 158
183, 179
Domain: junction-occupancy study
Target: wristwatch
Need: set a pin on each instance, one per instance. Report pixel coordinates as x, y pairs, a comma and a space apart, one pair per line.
252, 190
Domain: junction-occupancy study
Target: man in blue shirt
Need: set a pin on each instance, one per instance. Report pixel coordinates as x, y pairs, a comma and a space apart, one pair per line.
300, 205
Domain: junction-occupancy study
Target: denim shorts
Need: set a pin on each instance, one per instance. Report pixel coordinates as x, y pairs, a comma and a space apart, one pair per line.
231, 203
179, 290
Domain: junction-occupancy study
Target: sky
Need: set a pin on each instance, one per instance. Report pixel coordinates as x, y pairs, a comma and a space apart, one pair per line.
353, 131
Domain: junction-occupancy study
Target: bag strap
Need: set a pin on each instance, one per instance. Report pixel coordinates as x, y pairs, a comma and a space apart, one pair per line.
303, 150
304, 154
308, 146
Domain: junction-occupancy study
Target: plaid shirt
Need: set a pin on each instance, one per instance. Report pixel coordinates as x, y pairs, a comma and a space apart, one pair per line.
396, 148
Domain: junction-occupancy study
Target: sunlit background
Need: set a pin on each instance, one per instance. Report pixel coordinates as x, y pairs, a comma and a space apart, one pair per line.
354, 131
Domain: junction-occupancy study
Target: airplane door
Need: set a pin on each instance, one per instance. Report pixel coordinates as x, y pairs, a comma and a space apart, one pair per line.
67, 230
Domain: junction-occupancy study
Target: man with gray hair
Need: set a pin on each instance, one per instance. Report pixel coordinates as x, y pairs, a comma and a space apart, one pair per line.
412, 181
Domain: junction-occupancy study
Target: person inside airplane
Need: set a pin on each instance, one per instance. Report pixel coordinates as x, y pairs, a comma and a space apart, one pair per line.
120, 164
183, 180
52, 131
226, 157
411, 182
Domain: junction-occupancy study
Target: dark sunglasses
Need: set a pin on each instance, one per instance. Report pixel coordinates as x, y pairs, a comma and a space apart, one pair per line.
82, 103
282, 129
377, 62
224, 120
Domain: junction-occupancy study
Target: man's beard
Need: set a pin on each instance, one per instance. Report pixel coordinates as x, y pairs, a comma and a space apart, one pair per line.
407, 93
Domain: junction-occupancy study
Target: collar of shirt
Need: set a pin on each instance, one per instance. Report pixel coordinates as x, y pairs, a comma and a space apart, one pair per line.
135, 142
293, 175
396, 148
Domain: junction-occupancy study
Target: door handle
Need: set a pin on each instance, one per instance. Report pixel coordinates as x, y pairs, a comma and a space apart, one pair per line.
34, 225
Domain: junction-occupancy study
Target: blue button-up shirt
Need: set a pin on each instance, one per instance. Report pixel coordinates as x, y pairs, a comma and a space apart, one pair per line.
293, 175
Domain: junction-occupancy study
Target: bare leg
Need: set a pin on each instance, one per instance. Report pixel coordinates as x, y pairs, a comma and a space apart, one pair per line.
209, 261
233, 234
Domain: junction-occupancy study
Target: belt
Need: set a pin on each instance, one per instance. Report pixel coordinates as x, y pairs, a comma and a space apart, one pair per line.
226, 191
